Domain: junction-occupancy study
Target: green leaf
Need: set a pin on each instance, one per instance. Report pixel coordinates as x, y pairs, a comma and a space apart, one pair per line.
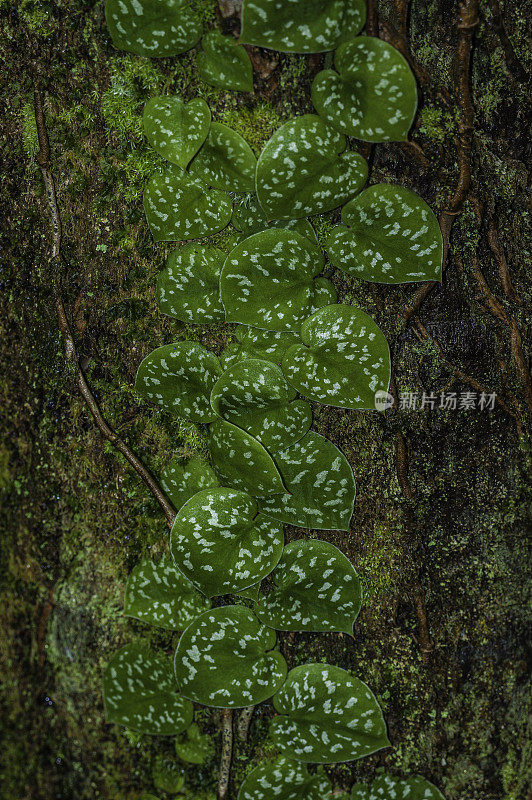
220, 542
301, 26
284, 779
374, 98
269, 345
189, 287
226, 161
249, 218
139, 691
241, 461
160, 595
254, 395
251, 593
180, 377
175, 129
179, 206
167, 776
386, 787
327, 716
303, 170
193, 746
315, 588
343, 361
389, 235
268, 280
224, 63
180, 481
155, 28
225, 659
320, 484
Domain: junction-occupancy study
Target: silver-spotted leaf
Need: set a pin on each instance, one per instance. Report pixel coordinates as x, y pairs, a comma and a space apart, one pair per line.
268, 280
327, 716
301, 26
389, 235
343, 361
180, 378
176, 129
193, 746
224, 63
225, 659
226, 161
241, 461
320, 486
373, 95
140, 692
189, 286
254, 395
386, 787
179, 206
249, 218
155, 28
260, 343
284, 779
304, 169
220, 542
251, 593
315, 588
161, 595
181, 481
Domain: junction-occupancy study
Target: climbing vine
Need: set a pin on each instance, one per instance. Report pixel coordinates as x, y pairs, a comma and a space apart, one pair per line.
294, 344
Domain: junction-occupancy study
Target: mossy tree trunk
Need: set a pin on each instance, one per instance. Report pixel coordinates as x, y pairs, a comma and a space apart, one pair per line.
439, 529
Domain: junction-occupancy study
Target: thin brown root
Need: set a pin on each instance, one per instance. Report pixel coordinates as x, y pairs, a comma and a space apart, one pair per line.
244, 722
227, 753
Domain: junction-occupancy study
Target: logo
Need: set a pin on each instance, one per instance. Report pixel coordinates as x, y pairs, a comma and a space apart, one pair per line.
383, 400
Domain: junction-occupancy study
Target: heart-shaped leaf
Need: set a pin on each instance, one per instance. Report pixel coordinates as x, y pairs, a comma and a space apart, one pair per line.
251, 593
268, 280
315, 588
224, 63
241, 461
176, 129
320, 485
386, 787
153, 28
343, 361
249, 218
389, 235
179, 206
254, 395
161, 595
189, 287
225, 659
284, 779
327, 716
221, 544
269, 345
301, 26
181, 481
226, 161
140, 692
193, 746
180, 377
374, 98
303, 170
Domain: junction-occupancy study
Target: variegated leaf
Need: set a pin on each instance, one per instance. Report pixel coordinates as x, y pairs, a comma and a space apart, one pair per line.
320, 486
374, 96
176, 129
249, 218
315, 588
344, 360
161, 595
389, 235
226, 161
225, 659
285, 779
241, 461
224, 63
220, 542
304, 169
155, 28
260, 343
181, 481
189, 287
386, 787
140, 692
326, 716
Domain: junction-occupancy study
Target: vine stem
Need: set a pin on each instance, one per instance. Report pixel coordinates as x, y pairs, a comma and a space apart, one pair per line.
244, 722
43, 160
227, 752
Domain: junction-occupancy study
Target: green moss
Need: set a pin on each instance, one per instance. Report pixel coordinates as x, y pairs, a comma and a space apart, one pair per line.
256, 125
436, 123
